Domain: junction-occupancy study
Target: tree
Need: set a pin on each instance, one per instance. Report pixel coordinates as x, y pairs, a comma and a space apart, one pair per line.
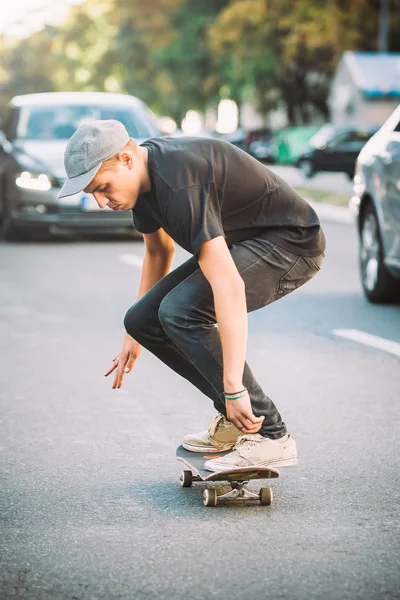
290, 50
181, 54
186, 59
143, 30
84, 48
244, 45
27, 66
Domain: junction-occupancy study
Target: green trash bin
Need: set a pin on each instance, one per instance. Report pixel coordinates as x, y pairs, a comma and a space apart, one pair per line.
291, 142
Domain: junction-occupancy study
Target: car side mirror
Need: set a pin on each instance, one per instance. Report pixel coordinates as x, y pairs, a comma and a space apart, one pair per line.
328, 147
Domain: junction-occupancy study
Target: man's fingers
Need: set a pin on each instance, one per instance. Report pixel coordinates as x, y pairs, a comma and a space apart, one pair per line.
247, 428
124, 361
118, 379
110, 370
114, 366
247, 425
241, 415
252, 418
129, 364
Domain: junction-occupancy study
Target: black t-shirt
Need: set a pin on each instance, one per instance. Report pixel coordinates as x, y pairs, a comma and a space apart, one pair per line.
203, 188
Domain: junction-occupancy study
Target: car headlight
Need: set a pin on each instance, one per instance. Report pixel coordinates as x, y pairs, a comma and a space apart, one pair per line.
33, 181
359, 177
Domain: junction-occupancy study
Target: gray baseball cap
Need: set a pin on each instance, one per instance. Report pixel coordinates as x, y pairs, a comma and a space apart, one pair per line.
91, 144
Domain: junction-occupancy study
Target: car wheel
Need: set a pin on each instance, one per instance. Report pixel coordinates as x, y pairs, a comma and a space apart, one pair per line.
306, 166
378, 284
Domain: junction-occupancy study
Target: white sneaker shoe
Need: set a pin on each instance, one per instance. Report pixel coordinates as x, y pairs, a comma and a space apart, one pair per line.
255, 450
220, 437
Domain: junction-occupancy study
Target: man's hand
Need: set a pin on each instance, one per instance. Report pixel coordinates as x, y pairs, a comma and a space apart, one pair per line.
123, 363
239, 413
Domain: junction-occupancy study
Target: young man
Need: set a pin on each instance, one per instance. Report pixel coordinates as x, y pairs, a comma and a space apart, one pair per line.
253, 240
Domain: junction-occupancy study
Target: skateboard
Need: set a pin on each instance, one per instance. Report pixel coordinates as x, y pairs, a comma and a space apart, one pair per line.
237, 478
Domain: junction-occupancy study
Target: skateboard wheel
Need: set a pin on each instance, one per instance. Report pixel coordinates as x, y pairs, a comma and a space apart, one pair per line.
210, 497
186, 478
266, 496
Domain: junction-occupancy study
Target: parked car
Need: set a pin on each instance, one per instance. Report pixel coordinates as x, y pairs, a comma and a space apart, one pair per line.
257, 142
335, 148
376, 204
32, 143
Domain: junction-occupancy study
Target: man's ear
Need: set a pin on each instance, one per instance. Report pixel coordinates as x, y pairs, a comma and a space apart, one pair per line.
126, 159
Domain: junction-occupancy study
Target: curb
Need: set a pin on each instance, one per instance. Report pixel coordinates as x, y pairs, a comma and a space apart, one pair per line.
330, 212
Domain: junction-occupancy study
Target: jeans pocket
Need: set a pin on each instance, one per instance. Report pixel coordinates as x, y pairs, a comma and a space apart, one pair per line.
315, 262
304, 269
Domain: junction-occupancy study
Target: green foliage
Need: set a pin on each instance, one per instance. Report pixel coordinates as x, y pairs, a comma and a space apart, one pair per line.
291, 49
187, 60
22, 72
181, 54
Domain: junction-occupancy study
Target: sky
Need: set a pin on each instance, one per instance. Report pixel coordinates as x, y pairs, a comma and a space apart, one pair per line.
21, 18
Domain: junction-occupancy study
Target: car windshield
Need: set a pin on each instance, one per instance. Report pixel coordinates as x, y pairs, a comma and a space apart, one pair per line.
60, 122
322, 137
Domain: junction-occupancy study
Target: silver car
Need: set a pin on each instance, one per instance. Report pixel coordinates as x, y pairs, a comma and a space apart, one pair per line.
376, 204
32, 143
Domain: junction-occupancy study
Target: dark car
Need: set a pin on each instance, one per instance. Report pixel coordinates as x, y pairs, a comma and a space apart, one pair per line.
257, 142
36, 132
376, 204
335, 148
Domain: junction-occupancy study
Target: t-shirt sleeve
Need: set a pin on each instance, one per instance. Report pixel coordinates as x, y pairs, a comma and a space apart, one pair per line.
143, 222
195, 214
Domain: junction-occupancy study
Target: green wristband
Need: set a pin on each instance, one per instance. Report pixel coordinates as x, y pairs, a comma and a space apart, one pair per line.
229, 397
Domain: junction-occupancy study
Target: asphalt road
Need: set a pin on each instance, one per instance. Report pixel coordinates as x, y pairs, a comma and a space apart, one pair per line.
91, 506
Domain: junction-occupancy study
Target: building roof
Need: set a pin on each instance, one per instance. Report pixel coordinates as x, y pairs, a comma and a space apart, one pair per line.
375, 73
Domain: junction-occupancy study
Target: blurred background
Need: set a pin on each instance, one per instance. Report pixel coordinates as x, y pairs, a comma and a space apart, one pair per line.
302, 86
90, 500
258, 68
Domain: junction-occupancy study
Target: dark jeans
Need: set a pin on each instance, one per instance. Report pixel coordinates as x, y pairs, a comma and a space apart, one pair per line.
175, 320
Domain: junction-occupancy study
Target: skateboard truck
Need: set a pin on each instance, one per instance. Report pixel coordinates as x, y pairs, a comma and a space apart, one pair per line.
237, 478
238, 491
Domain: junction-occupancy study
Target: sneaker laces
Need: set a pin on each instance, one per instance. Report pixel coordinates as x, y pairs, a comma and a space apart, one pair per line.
219, 423
249, 440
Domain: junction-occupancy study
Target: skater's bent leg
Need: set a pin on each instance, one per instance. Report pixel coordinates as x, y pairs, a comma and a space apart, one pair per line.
142, 323
204, 348
187, 315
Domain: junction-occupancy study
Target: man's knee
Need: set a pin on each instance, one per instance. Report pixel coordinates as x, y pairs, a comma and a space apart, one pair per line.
169, 314
140, 321
132, 321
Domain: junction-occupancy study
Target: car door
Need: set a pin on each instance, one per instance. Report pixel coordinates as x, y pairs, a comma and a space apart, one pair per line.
389, 157
346, 148
331, 157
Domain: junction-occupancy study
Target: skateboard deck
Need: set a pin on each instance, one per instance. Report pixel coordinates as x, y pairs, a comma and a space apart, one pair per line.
238, 478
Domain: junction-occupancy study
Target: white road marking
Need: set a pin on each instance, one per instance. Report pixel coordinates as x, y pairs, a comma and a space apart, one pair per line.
369, 340
134, 260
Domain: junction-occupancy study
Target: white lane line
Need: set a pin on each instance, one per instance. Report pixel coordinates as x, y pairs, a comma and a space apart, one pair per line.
134, 260
369, 340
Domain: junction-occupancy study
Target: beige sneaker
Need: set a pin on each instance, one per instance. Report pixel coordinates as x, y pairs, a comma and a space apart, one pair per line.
255, 450
220, 436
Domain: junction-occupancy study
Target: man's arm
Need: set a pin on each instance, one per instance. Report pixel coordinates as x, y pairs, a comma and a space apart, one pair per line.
159, 251
228, 288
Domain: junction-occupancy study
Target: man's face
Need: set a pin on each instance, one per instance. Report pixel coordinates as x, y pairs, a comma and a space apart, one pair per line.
117, 186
